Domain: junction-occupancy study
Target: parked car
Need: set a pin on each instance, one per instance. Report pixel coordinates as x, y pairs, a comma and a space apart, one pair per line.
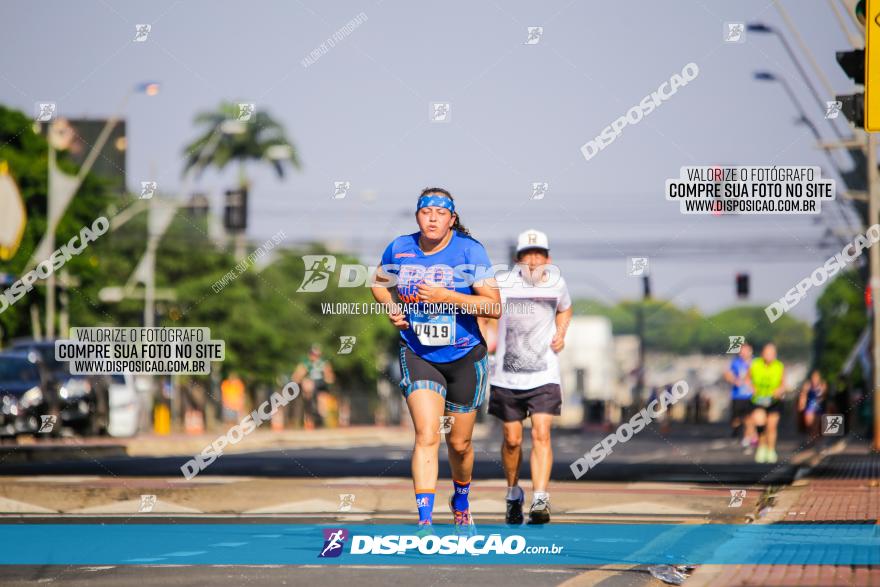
21, 394
83, 400
125, 406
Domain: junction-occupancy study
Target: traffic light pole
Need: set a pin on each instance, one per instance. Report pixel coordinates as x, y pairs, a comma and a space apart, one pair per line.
874, 266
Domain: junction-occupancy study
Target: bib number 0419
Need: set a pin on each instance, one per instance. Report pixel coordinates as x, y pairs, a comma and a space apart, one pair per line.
438, 330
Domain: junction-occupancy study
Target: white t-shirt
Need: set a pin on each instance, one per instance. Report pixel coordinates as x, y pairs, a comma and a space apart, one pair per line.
523, 357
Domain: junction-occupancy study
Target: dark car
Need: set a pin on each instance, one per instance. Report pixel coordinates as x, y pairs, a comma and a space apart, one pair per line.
83, 400
21, 394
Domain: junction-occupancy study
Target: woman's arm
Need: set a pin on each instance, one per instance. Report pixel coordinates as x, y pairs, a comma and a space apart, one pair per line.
485, 302
385, 294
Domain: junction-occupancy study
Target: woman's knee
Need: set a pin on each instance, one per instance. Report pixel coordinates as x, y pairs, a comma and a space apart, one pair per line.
460, 445
427, 438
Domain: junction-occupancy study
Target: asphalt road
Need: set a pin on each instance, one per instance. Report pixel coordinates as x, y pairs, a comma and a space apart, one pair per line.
691, 456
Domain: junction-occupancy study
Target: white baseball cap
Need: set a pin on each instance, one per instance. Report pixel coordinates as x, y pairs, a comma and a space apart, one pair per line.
532, 239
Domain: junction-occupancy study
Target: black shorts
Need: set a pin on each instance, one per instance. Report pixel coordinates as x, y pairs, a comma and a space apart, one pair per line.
775, 407
740, 407
461, 382
514, 405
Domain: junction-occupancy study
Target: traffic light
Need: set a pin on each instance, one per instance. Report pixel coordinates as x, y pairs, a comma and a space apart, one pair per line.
871, 66
742, 285
861, 66
235, 213
853, 105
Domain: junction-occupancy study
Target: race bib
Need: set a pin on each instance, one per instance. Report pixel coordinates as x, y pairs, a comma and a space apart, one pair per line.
434, 329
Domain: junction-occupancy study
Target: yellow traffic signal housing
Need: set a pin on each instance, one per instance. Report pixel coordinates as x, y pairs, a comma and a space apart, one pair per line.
872, 66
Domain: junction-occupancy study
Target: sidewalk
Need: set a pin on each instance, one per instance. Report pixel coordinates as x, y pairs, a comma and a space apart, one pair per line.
843, 489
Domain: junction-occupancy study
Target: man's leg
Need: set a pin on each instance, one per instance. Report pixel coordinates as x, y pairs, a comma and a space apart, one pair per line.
541, 459
772, 425
759, 417
511, 452
749, 424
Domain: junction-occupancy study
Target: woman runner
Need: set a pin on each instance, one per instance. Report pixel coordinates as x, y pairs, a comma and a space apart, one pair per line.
443, 278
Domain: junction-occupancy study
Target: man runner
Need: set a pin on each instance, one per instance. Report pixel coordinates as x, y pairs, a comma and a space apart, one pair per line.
741, 397
525, 381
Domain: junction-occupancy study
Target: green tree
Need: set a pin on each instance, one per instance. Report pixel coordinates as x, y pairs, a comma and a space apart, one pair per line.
225, 140
681, 331
841, 318
26, 152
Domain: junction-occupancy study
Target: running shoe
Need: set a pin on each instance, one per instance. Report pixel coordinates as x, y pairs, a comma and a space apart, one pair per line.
425, 529
761, 454
462, 521
539, 513
514, 511
771, 456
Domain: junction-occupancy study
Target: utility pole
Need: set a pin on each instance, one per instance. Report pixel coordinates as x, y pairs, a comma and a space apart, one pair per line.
874, 268
640, 330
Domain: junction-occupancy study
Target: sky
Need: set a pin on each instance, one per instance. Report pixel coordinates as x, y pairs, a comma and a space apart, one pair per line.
519, 114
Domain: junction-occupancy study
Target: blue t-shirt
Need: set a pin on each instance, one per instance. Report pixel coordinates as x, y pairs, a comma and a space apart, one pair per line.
450, 335
739, 367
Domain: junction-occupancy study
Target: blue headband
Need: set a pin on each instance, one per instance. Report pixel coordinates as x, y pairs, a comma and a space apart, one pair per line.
435, 200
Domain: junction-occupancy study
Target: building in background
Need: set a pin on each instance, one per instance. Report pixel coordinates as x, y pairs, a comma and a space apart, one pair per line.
110, 163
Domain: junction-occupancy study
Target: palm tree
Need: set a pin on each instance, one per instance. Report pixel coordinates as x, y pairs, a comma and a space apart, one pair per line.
227, 138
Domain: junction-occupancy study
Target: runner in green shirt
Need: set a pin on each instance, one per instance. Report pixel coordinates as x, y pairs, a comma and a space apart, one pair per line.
767, 378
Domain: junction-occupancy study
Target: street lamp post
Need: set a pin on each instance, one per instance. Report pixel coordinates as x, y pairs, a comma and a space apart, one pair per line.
60, 192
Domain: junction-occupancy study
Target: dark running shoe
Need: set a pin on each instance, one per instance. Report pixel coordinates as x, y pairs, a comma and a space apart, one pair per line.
514, 511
